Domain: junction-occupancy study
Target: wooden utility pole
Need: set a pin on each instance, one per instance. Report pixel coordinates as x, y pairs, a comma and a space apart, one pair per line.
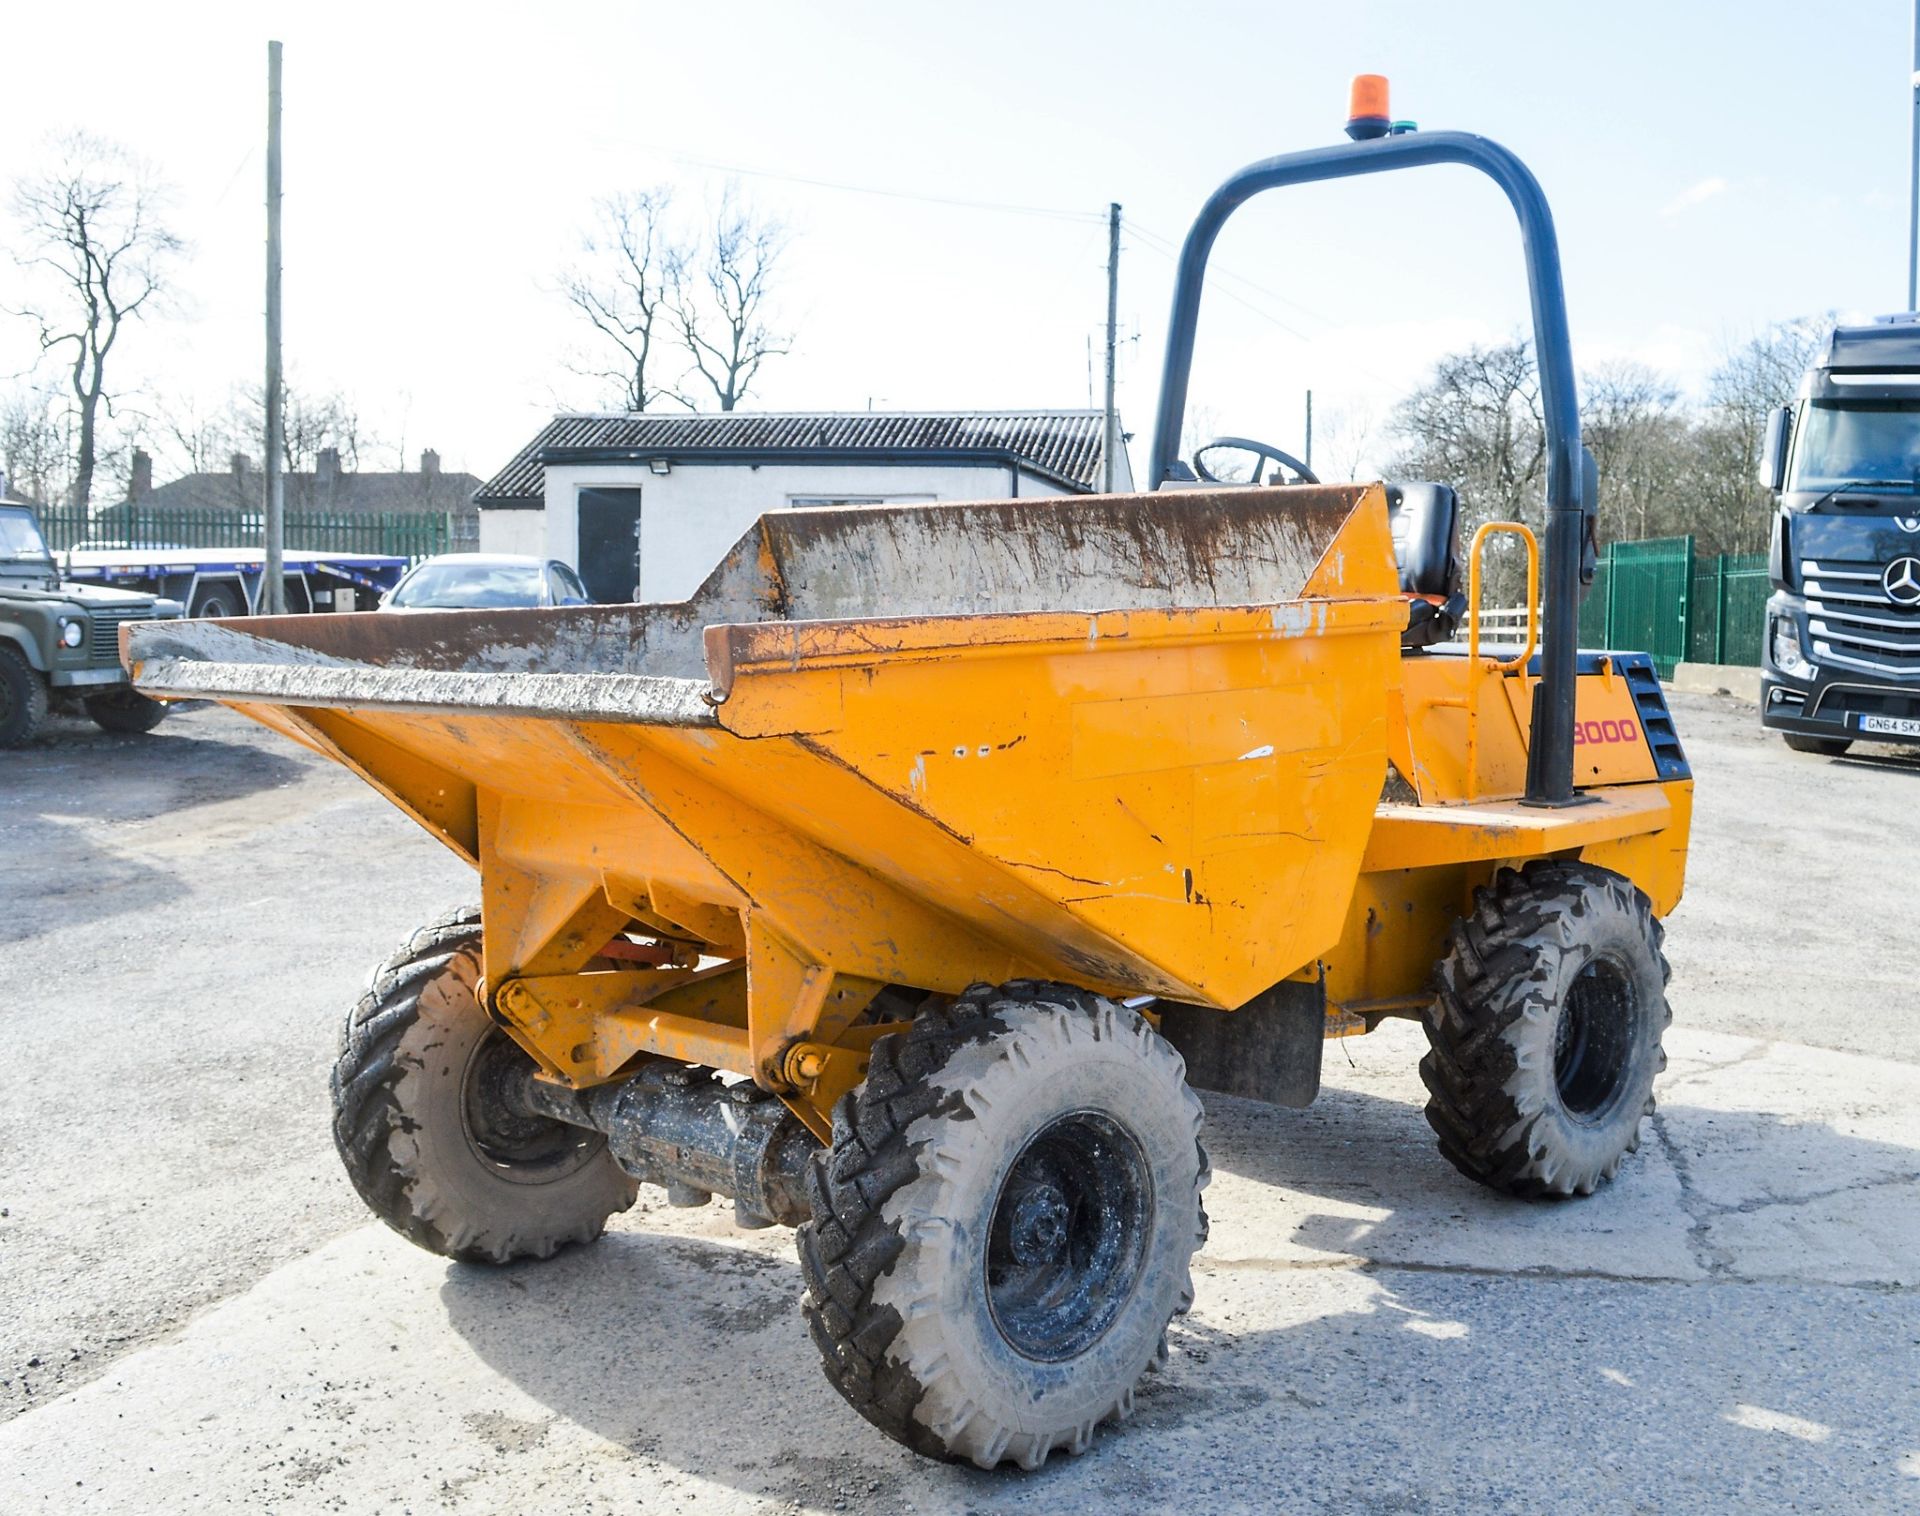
273, 578
1110, 448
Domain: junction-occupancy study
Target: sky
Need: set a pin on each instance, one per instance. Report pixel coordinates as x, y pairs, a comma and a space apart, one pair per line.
945, 172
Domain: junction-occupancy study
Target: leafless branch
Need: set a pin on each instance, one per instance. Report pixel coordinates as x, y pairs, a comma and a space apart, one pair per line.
97, 250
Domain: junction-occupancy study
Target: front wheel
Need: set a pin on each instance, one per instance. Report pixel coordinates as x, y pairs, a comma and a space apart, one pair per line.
426, 1127
1003, 1227
23, 699
125, 710
1545, 1034
1823, 747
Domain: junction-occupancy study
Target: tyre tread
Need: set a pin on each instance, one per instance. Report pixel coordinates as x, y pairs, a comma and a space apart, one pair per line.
1482, 989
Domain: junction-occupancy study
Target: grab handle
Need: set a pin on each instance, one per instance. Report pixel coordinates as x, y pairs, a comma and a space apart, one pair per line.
1512, 529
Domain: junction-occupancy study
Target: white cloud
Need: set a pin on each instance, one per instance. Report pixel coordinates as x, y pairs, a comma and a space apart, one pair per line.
1694, 194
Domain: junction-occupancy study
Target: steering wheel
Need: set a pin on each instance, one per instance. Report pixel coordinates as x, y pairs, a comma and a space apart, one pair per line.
1302, 474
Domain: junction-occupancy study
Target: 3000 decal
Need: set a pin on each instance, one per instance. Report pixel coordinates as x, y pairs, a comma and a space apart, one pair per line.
1606, 731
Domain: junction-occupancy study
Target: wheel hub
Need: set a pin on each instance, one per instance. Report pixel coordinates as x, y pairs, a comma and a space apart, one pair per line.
1593, 1042
1068, 1239
501, 1127
1037, 1230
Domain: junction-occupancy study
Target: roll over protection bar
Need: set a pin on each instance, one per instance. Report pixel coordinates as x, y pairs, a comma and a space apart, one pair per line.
1571, 482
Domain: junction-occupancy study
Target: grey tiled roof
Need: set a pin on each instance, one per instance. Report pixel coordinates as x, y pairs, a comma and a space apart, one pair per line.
1064, 445
350, 493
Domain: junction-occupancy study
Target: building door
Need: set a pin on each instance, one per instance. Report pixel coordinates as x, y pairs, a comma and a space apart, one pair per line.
610, 543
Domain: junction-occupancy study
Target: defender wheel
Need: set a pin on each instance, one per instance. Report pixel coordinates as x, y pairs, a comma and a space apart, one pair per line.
125, 711
1003, 1227
1545, 1033
427, 1137
1824, 747
23, 699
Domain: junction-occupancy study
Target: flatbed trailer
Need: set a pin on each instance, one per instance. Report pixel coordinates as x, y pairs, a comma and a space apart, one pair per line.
225, 582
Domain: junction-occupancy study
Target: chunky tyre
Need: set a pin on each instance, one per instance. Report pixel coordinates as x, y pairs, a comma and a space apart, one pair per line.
125, 711
427, 1138
1824, 747
23, 699
1003, 1226
1546, 1027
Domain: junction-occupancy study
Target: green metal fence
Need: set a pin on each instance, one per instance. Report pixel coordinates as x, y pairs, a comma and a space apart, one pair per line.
409, 534
1729, 608
1659, 597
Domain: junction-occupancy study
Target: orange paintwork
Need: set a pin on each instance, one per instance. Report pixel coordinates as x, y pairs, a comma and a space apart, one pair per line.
1191, 803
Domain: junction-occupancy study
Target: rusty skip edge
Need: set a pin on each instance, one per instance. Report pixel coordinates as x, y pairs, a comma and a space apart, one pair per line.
671, 665
650, 699
310, 679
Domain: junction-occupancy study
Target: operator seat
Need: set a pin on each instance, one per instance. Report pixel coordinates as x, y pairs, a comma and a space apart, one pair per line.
1425, 520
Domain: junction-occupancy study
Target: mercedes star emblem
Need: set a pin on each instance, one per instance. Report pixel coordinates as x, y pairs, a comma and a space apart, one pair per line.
1902, 581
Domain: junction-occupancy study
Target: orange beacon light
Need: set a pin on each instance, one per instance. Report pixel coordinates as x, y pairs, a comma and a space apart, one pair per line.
1367, 112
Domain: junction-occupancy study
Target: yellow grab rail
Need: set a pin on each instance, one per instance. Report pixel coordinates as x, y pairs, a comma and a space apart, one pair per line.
1515, 529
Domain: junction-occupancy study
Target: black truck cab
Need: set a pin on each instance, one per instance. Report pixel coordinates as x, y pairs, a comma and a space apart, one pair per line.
1841, 658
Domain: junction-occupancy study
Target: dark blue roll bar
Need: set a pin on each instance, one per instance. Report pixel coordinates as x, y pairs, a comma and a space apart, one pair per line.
1550, 756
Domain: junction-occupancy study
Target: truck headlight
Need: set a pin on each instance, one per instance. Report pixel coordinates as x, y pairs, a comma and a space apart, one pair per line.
1787, 654
72, 633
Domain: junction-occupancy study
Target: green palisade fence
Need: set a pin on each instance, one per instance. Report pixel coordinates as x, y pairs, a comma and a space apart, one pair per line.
406, 534
1659, 597
1729, 604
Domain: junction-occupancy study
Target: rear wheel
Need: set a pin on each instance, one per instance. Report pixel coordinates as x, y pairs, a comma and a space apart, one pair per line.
23, 698
1003, 1227
125, 710
427, 1128
1825, 747
218, 602
1545, 1034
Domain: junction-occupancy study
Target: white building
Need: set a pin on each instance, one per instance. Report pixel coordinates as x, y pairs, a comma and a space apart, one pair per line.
662, 497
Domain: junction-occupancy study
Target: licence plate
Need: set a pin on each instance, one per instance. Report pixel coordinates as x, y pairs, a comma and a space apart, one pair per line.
1892, 726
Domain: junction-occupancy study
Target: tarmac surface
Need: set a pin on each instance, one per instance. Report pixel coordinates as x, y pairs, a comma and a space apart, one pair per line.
200, 1317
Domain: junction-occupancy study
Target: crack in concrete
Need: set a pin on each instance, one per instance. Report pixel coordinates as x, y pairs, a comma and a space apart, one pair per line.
1753, 1054
1602, 1276
1748, 1207
1712, 1259
1546, 1272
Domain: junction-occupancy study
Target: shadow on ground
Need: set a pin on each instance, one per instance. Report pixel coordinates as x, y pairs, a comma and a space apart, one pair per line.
65, 798
1302, 1381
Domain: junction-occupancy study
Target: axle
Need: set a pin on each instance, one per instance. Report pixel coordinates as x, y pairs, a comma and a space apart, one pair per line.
679, 1127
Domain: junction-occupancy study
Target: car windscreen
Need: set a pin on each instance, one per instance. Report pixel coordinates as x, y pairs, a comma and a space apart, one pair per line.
469, 586
19, 537
1857, 441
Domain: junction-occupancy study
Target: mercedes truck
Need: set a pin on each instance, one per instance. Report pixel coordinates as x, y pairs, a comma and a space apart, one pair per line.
1840, 662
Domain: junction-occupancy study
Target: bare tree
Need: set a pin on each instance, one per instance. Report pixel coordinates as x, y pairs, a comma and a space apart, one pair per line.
1346, 440
315, 423
1476, 424
93, 233
197, 437
1751, 380
36, 443
719, 309
1630, 417
631, 264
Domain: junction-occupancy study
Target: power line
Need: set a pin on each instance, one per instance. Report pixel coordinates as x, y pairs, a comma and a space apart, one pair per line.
1214, 267
1235, 296
1218, 273
1008, 208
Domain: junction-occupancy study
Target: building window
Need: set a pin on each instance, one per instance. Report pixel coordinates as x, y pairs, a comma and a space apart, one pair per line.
832, 502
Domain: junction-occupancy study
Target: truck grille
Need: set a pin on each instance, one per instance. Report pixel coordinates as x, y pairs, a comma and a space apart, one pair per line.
1854, 622
105, 644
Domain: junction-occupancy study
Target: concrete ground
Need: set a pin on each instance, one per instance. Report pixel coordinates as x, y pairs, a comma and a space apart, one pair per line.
199, 1317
